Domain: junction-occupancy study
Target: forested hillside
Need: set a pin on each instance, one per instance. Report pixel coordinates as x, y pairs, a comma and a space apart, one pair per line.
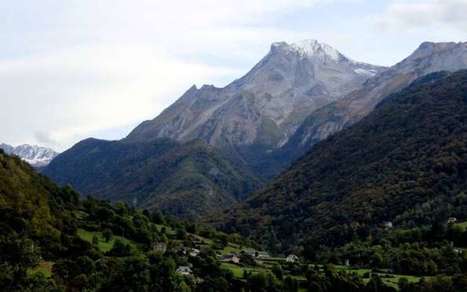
52, 241
405, 163
183, 179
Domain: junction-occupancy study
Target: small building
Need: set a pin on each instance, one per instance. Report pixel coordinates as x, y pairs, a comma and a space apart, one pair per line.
291, 258
160, 247
230, 258
184, 271
388, 225
194, 252
452, 220
250, 251
262, 255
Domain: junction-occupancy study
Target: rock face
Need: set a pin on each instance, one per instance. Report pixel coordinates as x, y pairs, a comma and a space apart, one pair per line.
36, 156
267, 105
429, 57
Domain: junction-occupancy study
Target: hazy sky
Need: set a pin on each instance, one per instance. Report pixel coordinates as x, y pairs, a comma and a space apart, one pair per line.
79, 68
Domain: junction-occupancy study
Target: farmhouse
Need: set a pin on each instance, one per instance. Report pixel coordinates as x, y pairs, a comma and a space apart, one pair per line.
230, 258
194, 252
184, 271
291, 258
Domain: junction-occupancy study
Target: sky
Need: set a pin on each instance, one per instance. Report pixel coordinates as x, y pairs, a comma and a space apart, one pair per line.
75, 69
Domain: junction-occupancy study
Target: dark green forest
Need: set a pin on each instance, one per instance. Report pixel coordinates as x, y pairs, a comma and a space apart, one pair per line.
405, 164
51, 240
185, 180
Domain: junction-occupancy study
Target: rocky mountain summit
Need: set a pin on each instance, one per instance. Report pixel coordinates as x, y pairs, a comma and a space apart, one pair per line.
429, 57
36, 156
267, 105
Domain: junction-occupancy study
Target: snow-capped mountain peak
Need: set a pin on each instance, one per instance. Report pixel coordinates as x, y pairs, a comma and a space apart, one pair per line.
313, 47
266, 105
35, 155
310, 48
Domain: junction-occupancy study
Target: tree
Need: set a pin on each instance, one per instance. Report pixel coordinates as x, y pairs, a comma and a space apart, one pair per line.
290, 284
120, 249
107, 234
277, 271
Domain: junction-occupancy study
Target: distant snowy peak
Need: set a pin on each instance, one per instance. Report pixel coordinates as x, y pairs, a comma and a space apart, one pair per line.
310, 48
36, 156
324, 53
313, 47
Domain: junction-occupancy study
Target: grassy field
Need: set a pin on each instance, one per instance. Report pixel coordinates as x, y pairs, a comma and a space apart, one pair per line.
230, 248
238, 270
390, 279
102, 245
463, 225
44, 267
168, 230
393, 280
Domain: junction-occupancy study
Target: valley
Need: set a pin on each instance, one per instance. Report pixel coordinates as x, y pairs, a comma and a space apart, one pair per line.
311, 172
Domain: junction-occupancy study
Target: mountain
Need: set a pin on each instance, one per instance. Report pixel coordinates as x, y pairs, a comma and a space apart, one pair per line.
405, 163
427, 58
35, 155
261, 110
183, 179
218, 135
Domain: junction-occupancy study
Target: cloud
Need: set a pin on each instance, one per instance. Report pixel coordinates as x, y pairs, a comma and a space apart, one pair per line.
426, 14
57, 99
76, 68
85, 67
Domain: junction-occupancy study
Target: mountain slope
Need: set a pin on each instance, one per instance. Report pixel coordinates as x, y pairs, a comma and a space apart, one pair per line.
36, 156
408, 157
30, 196
52, 241
429, 57
184, 179
265, 107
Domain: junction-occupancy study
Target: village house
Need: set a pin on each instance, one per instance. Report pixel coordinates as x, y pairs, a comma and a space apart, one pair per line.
388, 225
262, 255
452, 220
291, 258
160, 247
230, 258
256, 254
184, 271
194, 252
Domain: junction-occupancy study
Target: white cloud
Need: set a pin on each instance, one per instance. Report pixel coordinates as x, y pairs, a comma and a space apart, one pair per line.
439, 15
71, 69
97, 65
61, 98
